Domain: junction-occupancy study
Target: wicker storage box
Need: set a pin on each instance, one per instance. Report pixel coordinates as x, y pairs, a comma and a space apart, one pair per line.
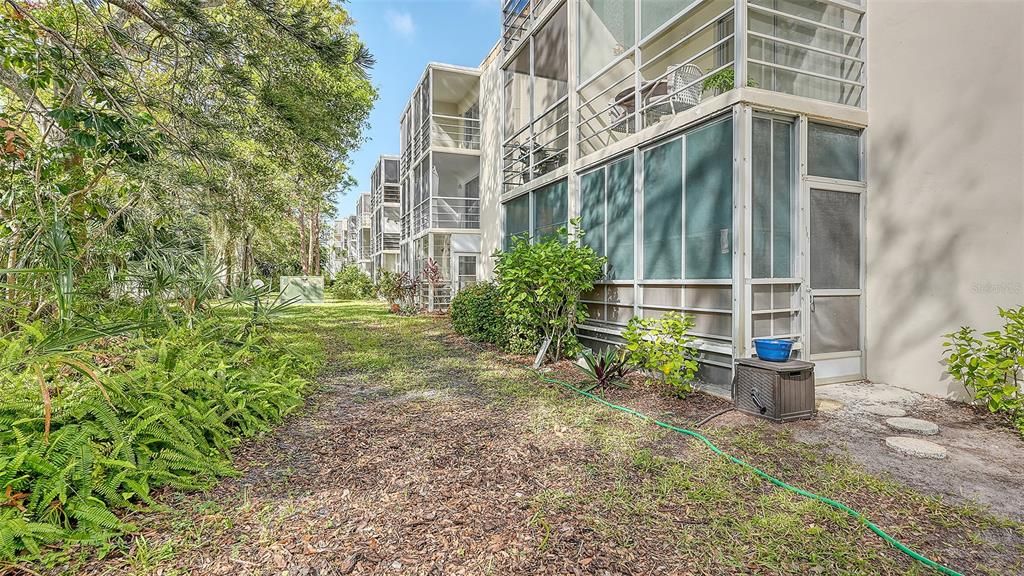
778, 391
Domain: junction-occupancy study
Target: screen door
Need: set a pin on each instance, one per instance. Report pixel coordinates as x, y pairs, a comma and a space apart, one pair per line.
835, 291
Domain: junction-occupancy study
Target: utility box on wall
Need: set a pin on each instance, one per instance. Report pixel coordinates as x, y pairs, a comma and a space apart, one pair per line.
302, 289
778, 391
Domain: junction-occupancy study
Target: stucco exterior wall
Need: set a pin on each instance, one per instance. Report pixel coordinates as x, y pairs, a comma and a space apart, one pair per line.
945, 166
490, 162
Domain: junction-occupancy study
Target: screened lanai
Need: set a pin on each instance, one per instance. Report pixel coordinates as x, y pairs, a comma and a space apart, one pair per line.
748, 222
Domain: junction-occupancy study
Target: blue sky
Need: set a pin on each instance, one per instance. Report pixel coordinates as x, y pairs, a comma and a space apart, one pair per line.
404, 36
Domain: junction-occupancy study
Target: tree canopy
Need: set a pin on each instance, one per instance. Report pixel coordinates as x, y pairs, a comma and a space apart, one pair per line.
184, 130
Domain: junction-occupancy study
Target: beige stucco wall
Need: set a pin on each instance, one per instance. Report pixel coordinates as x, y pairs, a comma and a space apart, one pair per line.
490, 162
945, 161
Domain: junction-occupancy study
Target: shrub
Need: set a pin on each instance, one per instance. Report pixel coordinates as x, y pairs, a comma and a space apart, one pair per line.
476, 313
541, 285
164, 410
609, 367
351, 283
664, 345
992, 366
398, 289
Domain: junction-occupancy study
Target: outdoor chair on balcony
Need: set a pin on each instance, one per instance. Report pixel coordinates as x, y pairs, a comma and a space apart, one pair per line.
621, 116
681, 95
678, 94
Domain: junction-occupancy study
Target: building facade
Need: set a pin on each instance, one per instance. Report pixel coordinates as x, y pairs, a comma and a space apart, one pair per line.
440, 182
339, 253
364, 238
860, 190
385, 224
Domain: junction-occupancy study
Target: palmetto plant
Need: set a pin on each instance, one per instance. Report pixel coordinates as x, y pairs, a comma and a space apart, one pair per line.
605, 368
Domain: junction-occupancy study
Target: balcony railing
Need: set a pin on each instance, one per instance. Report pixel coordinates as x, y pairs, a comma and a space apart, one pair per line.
455, 132
444, 212
538, 149
463, 213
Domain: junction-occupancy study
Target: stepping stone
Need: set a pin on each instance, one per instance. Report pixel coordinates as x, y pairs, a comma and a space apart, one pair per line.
826, 405
922, 427
885, 410
916, 447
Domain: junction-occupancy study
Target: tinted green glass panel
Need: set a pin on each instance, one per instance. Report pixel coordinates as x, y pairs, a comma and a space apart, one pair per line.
592, 209
782, 200
663, 211
709, 202
761, 200
517, 218
550, 209
620, 220
833, 152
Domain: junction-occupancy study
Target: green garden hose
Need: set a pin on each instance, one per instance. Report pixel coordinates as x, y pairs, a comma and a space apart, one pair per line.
837, 505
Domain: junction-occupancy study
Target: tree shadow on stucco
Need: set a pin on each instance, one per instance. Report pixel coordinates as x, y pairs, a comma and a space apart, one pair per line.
923, 300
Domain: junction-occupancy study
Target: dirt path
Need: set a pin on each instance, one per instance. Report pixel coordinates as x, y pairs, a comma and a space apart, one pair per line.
421, 454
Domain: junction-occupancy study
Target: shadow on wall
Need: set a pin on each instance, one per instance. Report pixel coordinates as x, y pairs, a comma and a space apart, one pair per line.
917, 232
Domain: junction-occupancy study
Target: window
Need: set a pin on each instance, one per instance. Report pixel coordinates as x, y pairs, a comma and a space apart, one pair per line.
709, 202
606, 210
550, 209
655, 13
833, 152
706, 200
517, 218
663, 211
773, 241
606, 29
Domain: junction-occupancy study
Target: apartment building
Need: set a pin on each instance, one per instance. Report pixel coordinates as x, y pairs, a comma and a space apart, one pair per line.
385, 218
338, 254
860, 190
364, 239
440, 180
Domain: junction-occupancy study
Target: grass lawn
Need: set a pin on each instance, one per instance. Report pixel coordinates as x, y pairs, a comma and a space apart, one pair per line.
423, 453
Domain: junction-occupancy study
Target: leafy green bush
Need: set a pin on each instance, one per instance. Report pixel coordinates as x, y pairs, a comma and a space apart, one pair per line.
476, 313
541, 285
351, 283
664, 345
992, 366
139, 413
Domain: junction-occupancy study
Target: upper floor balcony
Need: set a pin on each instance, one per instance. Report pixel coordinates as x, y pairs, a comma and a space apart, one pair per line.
384, 188
642, 62
443, 193
442, 114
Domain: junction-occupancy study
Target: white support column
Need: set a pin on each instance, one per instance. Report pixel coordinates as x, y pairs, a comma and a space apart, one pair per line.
741, 222
740, 41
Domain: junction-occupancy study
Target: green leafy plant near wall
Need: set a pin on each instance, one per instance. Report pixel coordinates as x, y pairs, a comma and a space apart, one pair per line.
664, 346
992, 366
606, 368
541, 286
475, 312
723, 81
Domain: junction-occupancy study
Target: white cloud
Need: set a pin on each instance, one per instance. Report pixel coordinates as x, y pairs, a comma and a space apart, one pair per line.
401, 23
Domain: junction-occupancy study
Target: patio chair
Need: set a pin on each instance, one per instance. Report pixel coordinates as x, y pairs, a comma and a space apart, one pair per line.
681, 96
620, 117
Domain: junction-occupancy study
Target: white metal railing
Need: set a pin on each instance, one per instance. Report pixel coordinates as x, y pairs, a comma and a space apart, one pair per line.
824, 61
449, 212
455, 132
539, 148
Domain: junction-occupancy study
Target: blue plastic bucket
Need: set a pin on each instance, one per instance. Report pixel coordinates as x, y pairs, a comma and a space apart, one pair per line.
773, 349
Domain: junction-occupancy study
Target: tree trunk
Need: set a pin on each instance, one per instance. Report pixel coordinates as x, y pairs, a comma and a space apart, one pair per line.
314, 242
303, 242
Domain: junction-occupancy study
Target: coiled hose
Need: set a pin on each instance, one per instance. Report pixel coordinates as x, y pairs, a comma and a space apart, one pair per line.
837, 505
